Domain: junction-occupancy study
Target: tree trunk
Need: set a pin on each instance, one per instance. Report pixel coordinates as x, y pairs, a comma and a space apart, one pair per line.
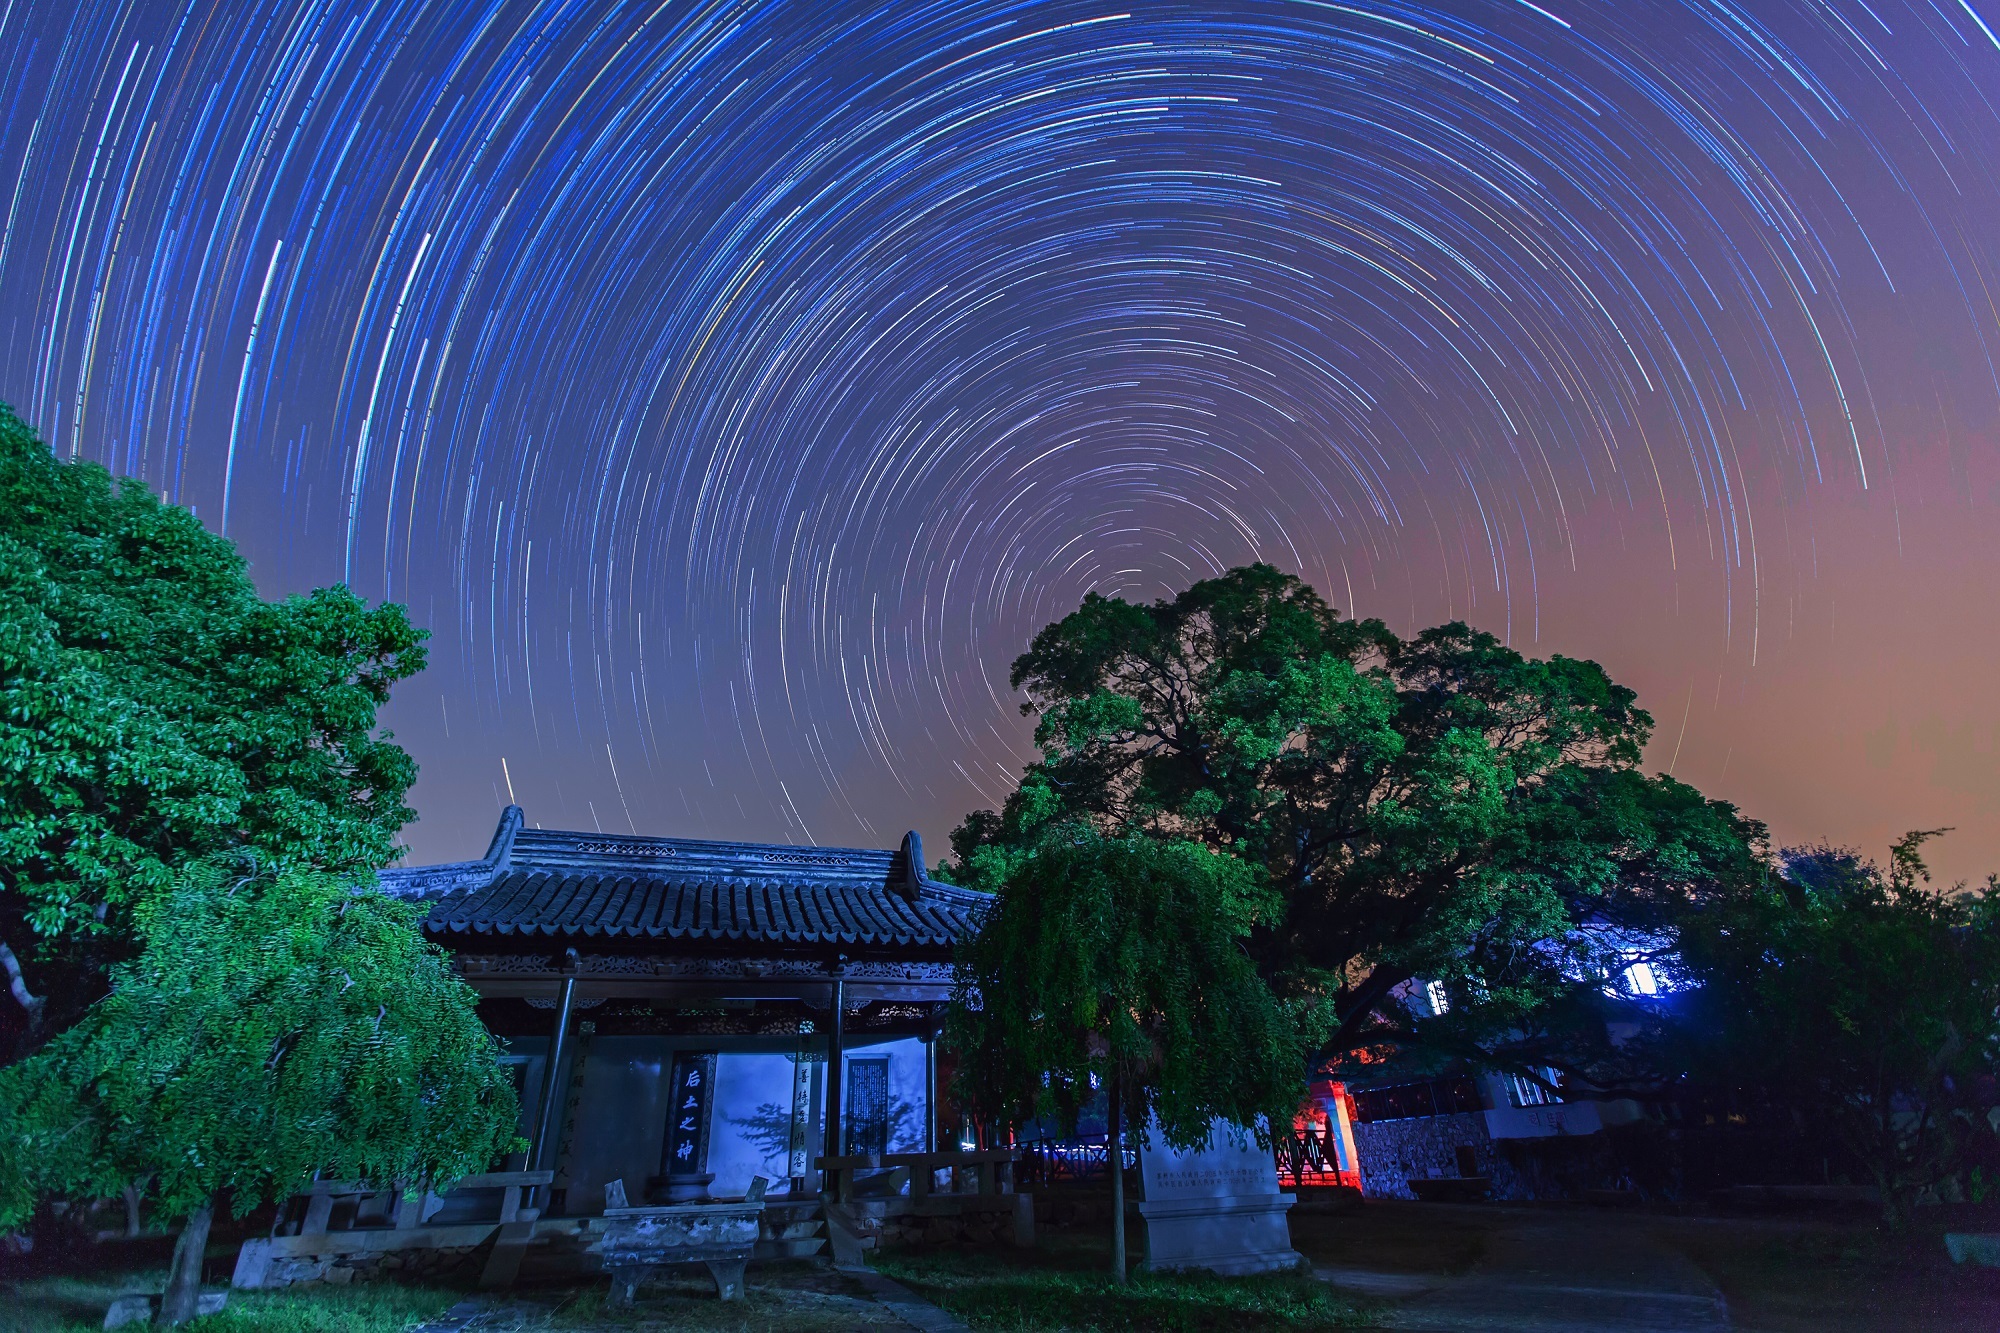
177, 1306
34, 1005
131, 1210
1114, 1159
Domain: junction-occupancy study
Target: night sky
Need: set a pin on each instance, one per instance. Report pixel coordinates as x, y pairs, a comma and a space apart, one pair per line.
734, 388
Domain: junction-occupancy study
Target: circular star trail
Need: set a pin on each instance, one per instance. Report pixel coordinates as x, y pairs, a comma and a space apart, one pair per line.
734, 388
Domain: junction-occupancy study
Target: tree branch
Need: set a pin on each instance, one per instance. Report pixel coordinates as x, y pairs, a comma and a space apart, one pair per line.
17, 985
1363, 1000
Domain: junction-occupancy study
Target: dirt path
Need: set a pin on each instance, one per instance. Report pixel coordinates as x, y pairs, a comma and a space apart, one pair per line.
1552, 1275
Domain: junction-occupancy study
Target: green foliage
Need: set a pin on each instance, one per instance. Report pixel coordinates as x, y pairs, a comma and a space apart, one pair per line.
273, 1025
1867, 1004
76, 1305
377, 1307
154, 710
1123, 956
1442, 808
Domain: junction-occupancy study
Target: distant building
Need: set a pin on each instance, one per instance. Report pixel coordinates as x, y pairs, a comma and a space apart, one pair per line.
684, 1015
1473, 1125
1468, 1125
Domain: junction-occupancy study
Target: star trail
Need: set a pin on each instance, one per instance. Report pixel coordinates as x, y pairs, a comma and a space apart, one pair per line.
733, 388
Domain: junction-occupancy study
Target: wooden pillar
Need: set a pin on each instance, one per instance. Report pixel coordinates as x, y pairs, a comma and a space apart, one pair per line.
836, 1070
554, 1084
930, 1088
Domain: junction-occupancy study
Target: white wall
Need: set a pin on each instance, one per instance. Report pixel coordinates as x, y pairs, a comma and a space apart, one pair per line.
749, 1133
622, 1114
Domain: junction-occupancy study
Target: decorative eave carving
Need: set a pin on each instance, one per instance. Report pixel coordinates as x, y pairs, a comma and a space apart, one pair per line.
700, 969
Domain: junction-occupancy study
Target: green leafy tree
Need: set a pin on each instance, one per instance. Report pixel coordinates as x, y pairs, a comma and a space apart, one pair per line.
1118, 963
154, 711
1865, 1004
1441, 808
274, 1025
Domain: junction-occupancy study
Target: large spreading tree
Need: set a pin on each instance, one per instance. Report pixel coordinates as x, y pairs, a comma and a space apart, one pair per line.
276, 1026
1437, 809
155, 711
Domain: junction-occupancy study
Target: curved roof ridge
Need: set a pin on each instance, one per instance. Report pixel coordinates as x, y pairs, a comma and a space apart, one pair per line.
545, 882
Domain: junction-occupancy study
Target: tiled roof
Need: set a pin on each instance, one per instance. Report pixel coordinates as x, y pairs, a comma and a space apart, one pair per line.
542, 884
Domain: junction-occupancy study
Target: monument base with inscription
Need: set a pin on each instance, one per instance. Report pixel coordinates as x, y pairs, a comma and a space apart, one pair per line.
1216, 1207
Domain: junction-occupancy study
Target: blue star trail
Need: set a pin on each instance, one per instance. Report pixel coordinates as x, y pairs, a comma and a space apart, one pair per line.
733, 388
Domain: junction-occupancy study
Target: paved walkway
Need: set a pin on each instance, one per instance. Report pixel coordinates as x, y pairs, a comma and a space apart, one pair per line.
483, 1313
1552, 1275
903, 1303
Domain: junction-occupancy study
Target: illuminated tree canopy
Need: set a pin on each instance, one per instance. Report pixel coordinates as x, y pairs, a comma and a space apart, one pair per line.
274, 1025
1441, 807
154, 710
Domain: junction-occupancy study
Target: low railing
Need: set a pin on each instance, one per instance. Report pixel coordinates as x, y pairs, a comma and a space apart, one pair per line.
359, 1204
1060, 1161
1310, 1157
887, 1175
332, 1219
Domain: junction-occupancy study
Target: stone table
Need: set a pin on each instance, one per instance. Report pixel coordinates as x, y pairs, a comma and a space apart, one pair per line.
720, 1236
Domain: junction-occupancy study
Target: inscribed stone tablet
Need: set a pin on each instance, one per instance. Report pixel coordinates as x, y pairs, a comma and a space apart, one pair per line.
1230, 1163
1216, 1207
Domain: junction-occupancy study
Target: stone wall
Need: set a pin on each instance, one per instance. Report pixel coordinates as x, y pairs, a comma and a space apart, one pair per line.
1634, 1157
1064, 1208
1008, 1219
427, 1265
913, 1232
1393, 1152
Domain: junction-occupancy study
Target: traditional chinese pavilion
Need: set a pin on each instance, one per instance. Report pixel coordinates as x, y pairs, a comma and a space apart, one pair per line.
684, 1015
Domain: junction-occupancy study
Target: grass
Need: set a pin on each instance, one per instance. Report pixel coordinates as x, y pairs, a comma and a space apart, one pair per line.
777, 1298
72, 1304
1779, 1275
1068, 1289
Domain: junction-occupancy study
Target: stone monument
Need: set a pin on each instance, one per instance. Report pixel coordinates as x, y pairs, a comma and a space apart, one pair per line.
1216, 1207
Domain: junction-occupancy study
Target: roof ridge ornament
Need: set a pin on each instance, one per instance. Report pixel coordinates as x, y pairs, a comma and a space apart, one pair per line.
910, 888
500, 852
417, 881
803, 858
